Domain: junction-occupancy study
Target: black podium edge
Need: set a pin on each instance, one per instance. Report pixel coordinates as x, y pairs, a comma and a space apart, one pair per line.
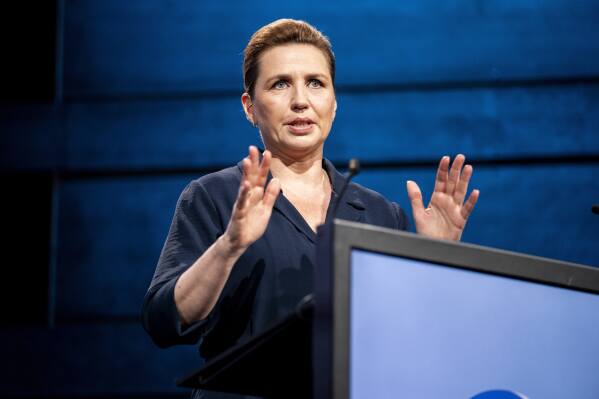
230, 357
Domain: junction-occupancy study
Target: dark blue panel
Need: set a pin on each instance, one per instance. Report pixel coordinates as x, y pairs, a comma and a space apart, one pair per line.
110, 237
31, 137
539, 210
94, 359
481, 123
157, 134
155, 46
395, 126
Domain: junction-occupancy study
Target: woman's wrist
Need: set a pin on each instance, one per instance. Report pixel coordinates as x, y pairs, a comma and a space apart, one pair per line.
231, 247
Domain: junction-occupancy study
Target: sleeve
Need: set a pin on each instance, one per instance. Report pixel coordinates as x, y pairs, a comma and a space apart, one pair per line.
400, 217
196, 225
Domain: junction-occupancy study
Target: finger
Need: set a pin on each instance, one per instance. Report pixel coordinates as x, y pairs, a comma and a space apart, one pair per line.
454, 173
469, 205
462, 187
246, 166
264, 168
243, 196
415, 196
272, 192
441, 179
254, 157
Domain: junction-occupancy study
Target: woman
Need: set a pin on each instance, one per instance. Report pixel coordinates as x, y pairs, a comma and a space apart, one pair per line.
240, 251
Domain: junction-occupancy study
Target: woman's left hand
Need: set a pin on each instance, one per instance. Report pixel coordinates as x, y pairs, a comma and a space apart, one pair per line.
446, 214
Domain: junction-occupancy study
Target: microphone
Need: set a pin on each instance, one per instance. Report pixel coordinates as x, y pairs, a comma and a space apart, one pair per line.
353, 169
595, 209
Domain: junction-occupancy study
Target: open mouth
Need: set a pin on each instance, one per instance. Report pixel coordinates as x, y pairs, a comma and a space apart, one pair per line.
302, 128
300, 125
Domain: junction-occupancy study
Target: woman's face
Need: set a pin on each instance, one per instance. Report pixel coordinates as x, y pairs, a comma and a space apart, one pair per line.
294, 100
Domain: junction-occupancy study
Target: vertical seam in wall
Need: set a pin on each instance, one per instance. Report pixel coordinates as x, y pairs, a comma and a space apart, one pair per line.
59, 63
54, 218
54, 200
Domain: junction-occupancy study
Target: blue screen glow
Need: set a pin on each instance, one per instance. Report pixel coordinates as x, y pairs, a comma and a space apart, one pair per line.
422, 330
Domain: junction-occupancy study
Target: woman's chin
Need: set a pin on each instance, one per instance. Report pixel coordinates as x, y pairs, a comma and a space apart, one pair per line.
300, 147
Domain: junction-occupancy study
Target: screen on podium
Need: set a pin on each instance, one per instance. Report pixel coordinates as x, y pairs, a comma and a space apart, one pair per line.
422, 329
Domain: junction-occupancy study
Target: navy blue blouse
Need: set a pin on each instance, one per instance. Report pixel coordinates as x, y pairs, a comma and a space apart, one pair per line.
270, 277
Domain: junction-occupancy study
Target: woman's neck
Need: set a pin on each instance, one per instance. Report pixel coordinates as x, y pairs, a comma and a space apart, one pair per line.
297, 172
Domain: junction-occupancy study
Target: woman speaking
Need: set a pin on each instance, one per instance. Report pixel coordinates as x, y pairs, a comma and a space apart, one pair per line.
240, 252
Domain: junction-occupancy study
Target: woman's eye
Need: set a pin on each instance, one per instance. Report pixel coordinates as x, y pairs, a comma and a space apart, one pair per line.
314, 83
281, 84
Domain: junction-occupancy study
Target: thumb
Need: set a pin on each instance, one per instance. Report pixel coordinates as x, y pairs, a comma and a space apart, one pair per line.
415, 196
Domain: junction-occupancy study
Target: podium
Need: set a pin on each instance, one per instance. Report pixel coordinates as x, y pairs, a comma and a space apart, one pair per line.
395, 314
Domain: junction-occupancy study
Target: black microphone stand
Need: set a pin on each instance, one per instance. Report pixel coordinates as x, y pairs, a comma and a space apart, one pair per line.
353, 169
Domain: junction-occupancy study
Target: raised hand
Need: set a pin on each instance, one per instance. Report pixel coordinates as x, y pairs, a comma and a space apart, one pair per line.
254, 203
446, 214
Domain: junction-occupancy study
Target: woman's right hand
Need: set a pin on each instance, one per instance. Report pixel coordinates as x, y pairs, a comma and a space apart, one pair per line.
254, 203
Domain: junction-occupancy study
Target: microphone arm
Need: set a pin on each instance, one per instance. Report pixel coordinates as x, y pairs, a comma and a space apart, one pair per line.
353, 169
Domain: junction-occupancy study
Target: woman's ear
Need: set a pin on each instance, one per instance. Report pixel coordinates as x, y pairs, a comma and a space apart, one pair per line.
248, 108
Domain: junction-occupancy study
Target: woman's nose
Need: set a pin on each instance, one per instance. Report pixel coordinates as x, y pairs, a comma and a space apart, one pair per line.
299, 99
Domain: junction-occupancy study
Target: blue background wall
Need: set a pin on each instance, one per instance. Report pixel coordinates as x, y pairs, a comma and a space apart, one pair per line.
147, 98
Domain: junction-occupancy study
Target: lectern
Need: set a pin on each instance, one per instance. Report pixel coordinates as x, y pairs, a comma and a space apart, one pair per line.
395, 315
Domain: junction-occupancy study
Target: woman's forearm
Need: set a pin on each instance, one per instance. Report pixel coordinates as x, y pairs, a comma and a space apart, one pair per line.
199, 287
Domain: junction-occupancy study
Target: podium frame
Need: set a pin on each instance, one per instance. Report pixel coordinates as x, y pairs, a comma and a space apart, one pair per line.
332, 285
